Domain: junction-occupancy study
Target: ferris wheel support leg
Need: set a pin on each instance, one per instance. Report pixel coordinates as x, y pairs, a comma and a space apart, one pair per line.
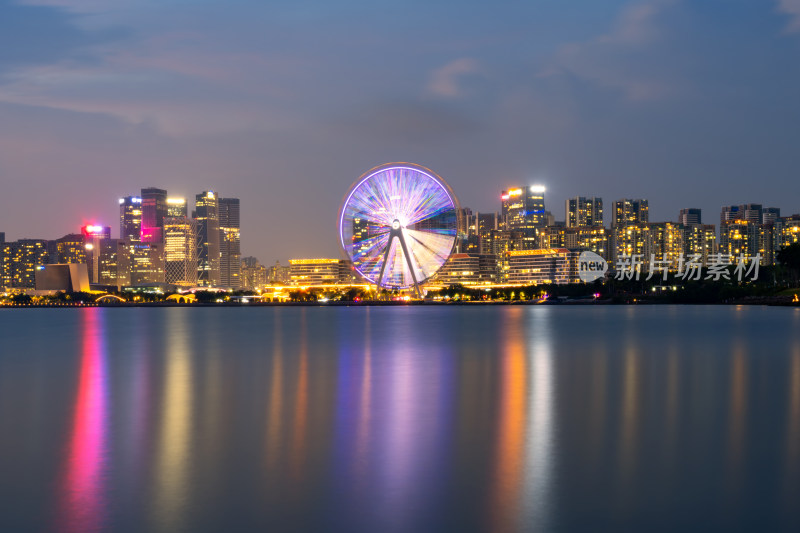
408, 261
385, 259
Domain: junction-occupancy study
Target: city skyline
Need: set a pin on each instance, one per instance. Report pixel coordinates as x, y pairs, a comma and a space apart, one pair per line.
661, 99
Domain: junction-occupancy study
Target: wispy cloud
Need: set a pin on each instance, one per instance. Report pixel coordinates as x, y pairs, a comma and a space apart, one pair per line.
447, 80
792, 9
618, 59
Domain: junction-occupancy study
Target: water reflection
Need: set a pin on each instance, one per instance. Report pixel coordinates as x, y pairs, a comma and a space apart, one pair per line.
173, 451
516, 418
84, 506
510, 433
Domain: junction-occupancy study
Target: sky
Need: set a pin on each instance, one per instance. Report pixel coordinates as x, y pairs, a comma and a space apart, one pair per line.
284, 104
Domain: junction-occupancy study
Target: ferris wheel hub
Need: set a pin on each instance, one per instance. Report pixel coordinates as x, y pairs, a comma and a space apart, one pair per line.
396, 224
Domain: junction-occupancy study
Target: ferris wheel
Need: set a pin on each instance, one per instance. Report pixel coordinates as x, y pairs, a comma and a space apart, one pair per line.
398, 224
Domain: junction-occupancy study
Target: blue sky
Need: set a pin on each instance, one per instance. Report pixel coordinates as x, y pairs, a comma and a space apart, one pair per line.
285, 104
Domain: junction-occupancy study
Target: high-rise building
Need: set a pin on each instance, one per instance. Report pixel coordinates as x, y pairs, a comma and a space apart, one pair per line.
699, 239
254, 274
230, 243
664, 240
140, 263
770, 215
523, 211
690, 215
751, 212
468, 241
593, 238
94, 236
130, 219
278, 273
207, 215
70, 249
24, 256
787, 231
485, 223
584, 211
108, 264
154, 209
728, 212
181, 251
629, 211
739, 237
176, 207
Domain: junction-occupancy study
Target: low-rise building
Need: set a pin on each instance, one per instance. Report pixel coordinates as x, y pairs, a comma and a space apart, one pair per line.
547, 265
320, 271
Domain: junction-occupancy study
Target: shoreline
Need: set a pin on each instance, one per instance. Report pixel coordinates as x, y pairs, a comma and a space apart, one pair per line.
769, 302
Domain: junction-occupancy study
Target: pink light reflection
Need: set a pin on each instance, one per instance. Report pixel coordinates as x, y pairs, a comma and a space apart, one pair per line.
82, 496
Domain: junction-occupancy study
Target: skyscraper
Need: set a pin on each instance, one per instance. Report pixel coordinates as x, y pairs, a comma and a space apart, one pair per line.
770, 214
629, 211
207, 215
523, 211
690, 215
584, 211
154, 209
93, 240
181, 251
176, 207
130, 219
230, 243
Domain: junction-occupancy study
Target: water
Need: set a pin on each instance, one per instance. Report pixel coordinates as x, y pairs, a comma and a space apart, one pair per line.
382, 419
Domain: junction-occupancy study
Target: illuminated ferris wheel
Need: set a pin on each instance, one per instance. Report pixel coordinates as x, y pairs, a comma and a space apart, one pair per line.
398, 225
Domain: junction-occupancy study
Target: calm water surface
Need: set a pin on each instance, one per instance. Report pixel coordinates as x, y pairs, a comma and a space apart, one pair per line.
407, 419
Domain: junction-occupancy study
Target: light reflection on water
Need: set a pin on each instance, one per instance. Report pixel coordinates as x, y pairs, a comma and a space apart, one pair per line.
502, 419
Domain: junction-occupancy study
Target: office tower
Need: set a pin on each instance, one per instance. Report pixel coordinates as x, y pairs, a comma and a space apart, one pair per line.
770, 215
584, 211
93, 236
70, 249
207, 215
140, 263
629, 211
230, 243
485, 223
523, 211
593, 238
107, 263
181, 251
690, 215
699, 239
176, 208
154, 209
130, 219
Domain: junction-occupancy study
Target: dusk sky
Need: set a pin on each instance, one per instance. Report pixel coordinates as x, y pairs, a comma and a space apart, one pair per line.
285, 103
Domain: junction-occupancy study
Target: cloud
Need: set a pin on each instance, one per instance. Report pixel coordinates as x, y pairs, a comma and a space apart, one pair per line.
447, 80
791, 8
621, 59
